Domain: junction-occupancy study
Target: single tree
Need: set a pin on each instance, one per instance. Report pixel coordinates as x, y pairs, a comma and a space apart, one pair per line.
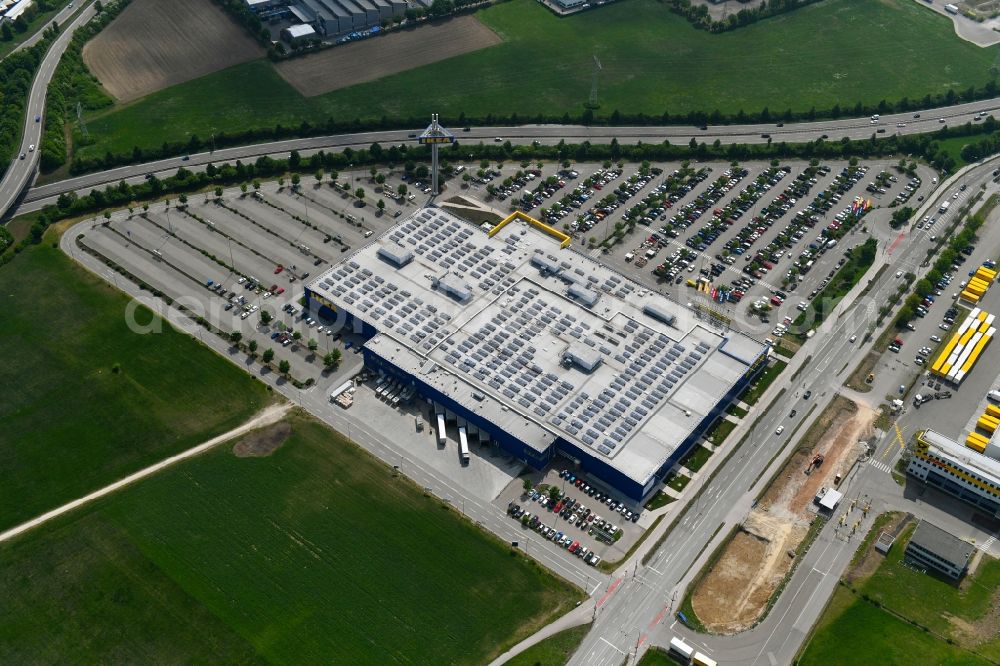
268, 355
256, 184
297, 335
312, 344
527, 485
402, 189
243, 188
295, 181
360, 193
252, 346
318, 176
284, 366
332, 359
182, 199
218, 192
265, 317
381, 204
235, 337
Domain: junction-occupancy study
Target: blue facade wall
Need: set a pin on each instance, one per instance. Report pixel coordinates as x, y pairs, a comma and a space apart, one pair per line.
514, 446
505, 440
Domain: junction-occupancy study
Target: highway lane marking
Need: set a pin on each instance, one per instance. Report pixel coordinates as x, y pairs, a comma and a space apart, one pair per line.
985, 546
655, 571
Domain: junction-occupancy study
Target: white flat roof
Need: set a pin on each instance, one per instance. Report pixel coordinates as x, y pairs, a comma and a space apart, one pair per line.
513, 334
302, 30
831, 499
945, 446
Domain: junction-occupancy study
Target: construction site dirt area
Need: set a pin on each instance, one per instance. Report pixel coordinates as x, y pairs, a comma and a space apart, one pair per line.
395, 52
734, 593
262, 443
155, 44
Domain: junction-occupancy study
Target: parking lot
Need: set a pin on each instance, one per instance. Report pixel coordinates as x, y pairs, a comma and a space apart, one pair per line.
240, 262
595, 518
749, 233
745, 228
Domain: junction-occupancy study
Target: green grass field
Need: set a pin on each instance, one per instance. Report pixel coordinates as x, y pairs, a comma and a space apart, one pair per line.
867, 635
68, 423
834, 52
906, 592
656, 657
553, 651
879, 635
315, 554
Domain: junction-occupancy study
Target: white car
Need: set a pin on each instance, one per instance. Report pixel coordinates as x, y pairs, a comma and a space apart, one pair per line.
780, 430
31, 148
853, 338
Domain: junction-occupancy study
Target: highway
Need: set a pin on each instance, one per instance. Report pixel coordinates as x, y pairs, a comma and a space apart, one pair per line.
21, 171
637, 603
855, 128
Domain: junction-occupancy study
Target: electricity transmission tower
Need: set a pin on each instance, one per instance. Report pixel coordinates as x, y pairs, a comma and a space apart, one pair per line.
80, 121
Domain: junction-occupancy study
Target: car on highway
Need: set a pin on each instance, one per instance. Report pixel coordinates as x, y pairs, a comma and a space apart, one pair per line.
807, 395
780, 429
22, 156
31, 148
853, 338
38, 119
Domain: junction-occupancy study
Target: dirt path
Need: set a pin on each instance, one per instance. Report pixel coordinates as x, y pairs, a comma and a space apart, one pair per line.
267, 416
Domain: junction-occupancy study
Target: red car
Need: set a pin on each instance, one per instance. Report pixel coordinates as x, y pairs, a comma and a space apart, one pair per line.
280, 291
574, 546
278, 269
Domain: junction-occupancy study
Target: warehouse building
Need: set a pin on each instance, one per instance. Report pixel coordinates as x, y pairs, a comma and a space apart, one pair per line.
945, 464
12, 10
933, 548
336, 18
537, 348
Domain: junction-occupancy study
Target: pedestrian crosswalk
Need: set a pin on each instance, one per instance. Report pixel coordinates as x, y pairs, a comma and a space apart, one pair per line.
985, 546
881, 466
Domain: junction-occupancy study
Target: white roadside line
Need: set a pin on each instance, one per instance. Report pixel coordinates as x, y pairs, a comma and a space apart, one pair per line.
269, 415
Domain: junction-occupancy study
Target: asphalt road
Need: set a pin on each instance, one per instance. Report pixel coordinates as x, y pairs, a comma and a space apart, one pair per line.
60, 16
633, 617
635, 606
855, 128
20, 172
